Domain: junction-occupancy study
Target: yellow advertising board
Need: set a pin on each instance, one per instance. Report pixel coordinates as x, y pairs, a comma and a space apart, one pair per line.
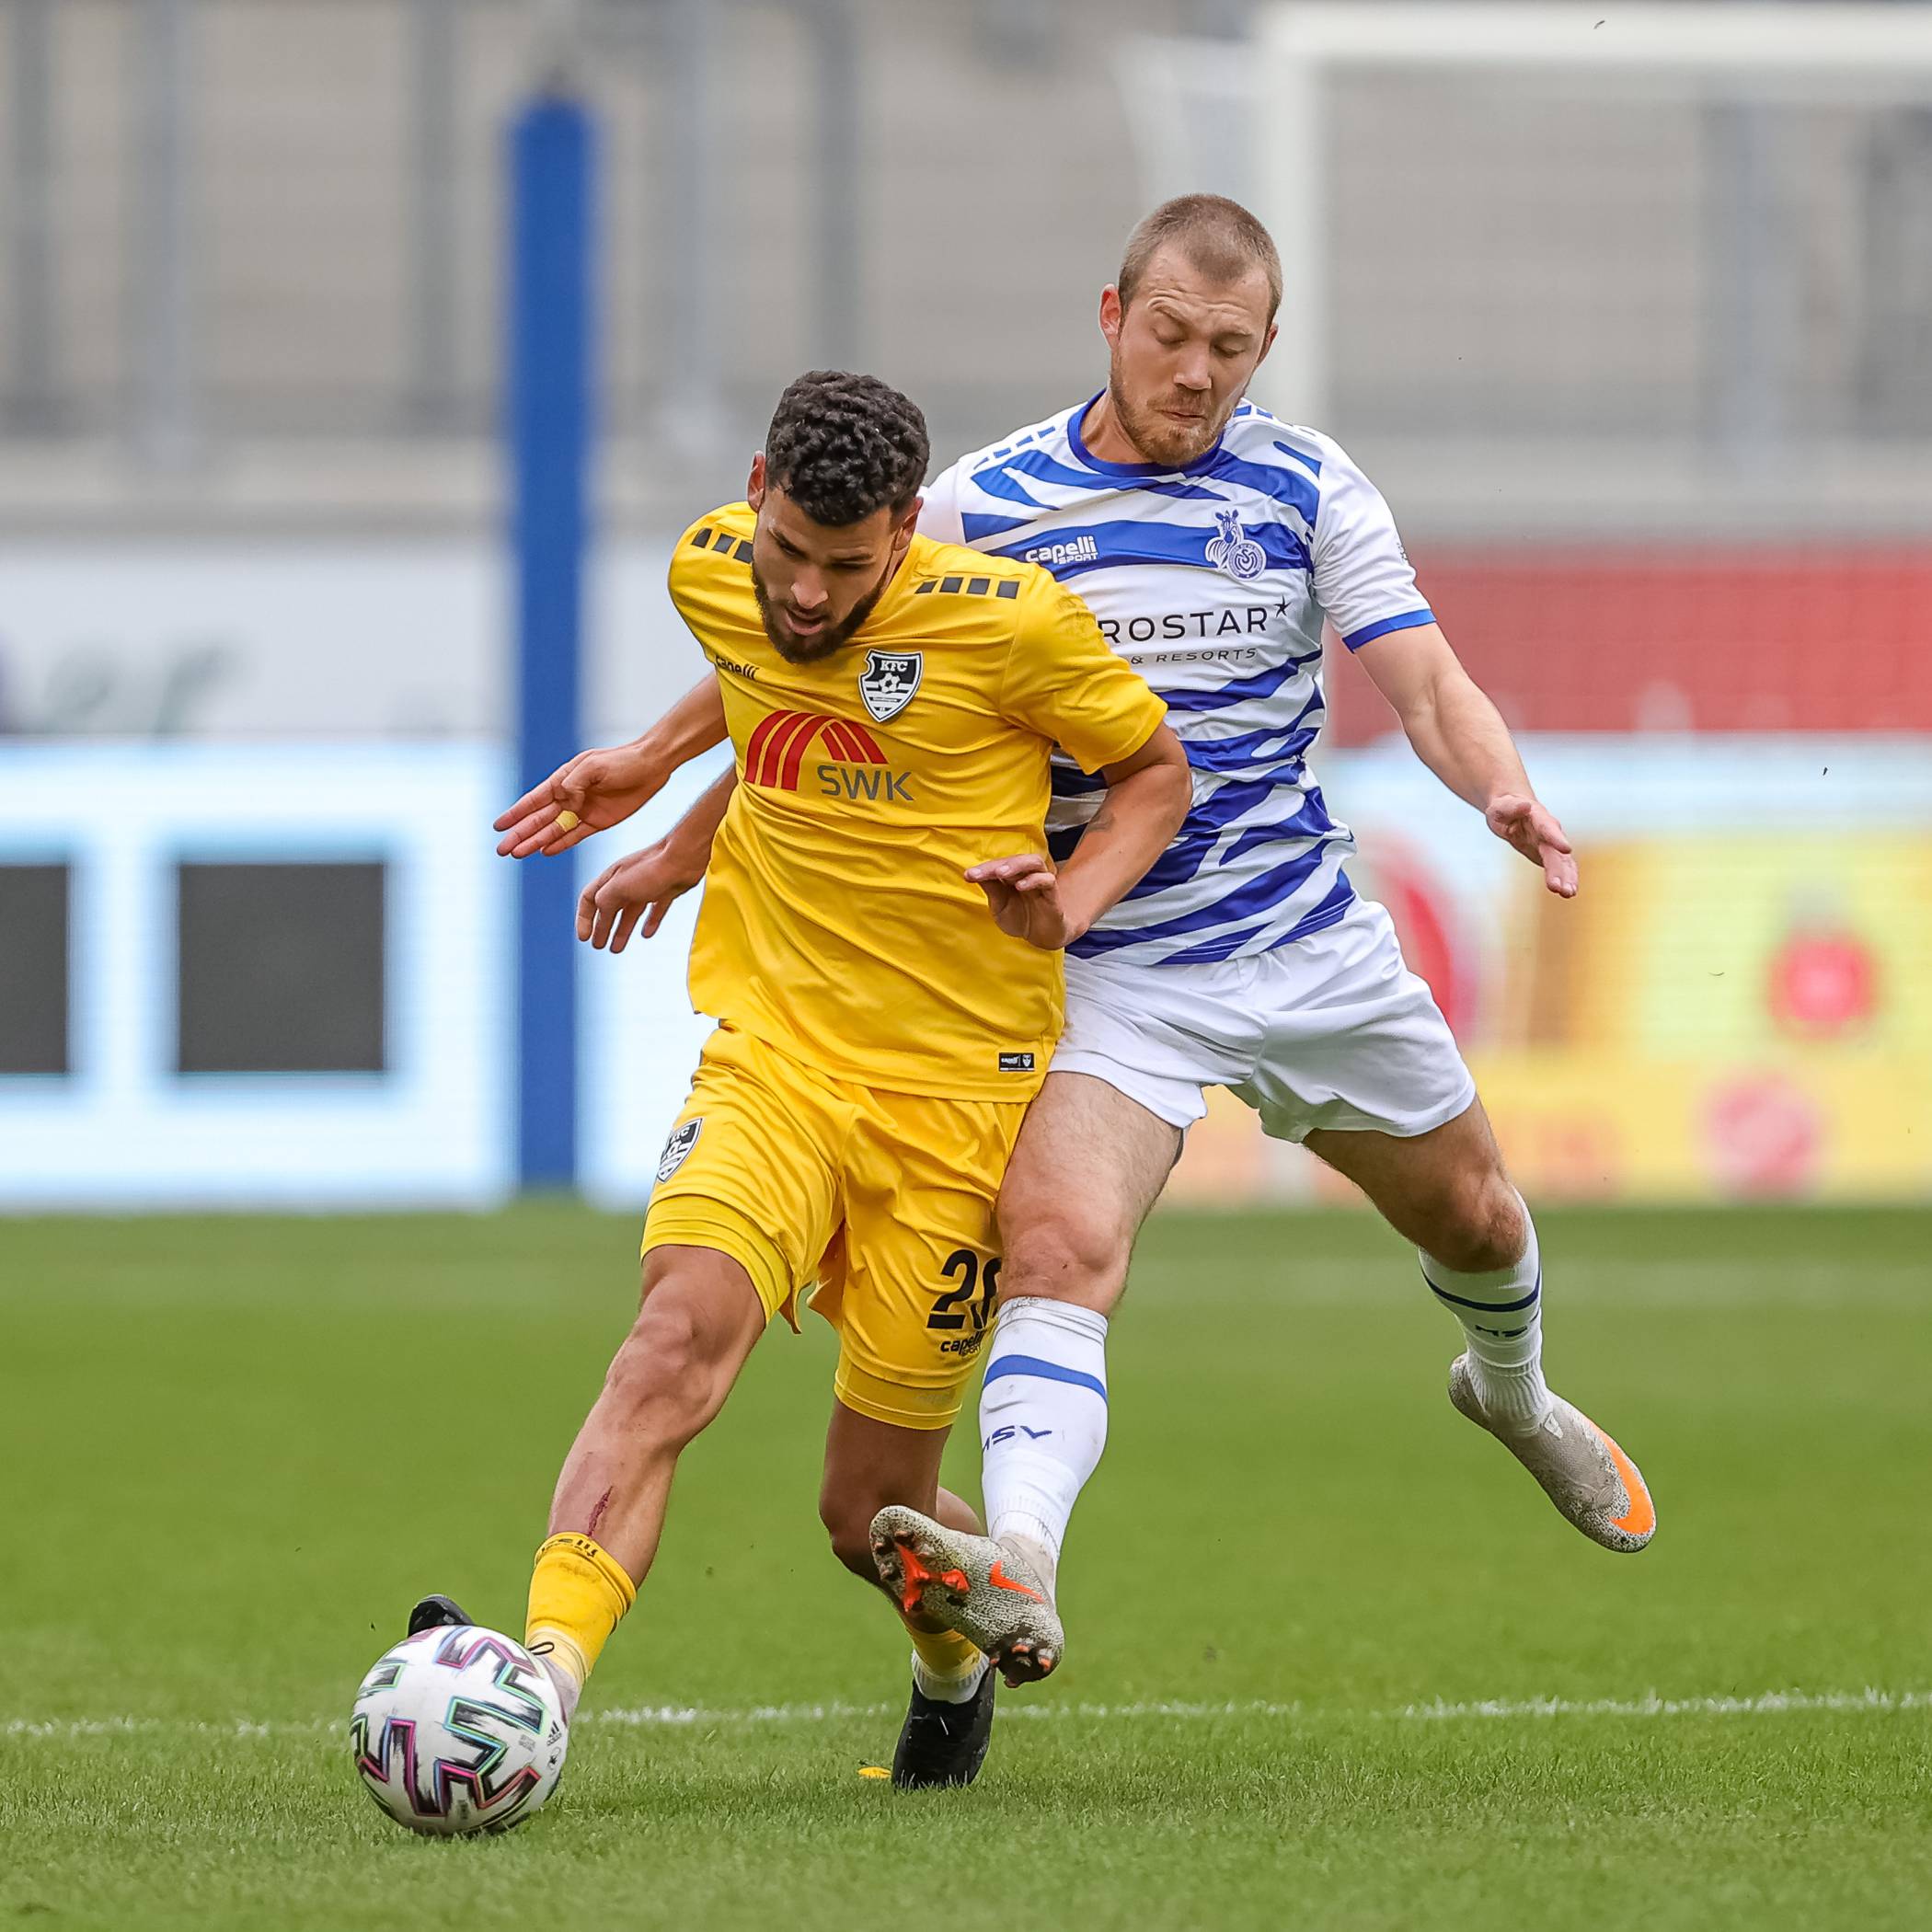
1724, 1012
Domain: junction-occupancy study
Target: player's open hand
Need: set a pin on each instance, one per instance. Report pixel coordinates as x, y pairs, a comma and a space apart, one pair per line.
1534, 833
1023, 895
595, 791
639, 888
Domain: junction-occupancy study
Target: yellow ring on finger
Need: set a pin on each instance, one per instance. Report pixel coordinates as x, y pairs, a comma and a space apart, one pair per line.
567, 820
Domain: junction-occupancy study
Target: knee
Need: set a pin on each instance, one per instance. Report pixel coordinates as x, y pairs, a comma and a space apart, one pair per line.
662, 1378
848, 1523
1052, 1250
1480, 1227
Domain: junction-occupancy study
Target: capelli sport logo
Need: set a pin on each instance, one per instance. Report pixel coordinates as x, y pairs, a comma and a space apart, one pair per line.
856, 769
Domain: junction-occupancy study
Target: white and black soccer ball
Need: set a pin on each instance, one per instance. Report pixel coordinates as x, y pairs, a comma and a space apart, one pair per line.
458, 1730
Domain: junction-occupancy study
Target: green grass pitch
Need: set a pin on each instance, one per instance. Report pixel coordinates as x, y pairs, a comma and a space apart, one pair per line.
1312, 1612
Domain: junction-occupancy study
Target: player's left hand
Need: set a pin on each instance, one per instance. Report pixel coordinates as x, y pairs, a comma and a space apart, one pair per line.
1527, 826
1023, 894
634, 894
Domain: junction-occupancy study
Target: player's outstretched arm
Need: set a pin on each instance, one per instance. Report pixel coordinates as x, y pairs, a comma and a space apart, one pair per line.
1147, 798
599, 788
642, 886
1461, 736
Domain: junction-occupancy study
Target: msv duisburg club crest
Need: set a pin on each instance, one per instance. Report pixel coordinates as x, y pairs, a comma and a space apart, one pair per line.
1235, 552
888, 680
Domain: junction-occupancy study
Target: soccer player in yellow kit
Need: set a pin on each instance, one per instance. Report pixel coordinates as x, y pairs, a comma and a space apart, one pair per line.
879, 942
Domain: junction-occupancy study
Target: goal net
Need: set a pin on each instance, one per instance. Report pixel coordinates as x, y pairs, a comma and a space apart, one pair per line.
1563, 247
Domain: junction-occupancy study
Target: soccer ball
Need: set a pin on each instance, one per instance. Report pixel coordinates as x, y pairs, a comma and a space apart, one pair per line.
458, 1730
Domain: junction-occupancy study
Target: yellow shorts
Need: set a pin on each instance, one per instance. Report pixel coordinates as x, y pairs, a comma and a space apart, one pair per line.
885, 1200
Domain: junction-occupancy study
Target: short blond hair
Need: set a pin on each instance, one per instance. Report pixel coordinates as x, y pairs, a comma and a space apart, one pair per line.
1220, 238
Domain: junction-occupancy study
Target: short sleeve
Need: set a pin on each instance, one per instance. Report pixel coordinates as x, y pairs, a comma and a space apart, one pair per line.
1063, 683
702, 583
1362, 578
939, 516
681, 574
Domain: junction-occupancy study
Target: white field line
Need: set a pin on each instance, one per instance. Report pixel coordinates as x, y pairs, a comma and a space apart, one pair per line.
681, 1716
1766, 1703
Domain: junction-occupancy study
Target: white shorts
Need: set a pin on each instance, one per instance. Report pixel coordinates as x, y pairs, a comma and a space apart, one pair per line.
1330, 1031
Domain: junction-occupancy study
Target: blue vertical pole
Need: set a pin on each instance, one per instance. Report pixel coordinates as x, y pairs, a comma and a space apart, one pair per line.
552, 164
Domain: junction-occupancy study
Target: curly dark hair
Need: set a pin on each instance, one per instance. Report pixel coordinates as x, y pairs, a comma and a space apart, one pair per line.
841, 447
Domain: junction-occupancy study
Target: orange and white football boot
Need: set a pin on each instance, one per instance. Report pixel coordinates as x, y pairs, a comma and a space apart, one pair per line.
1582, 1471
989, 1592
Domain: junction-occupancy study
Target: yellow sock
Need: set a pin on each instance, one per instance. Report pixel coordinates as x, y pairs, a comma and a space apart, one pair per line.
945, 1657
579, 1592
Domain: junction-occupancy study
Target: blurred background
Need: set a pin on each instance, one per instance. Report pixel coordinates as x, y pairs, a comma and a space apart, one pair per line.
342, 342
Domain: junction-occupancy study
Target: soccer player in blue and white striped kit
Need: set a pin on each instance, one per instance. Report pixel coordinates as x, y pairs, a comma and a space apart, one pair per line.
1213, 543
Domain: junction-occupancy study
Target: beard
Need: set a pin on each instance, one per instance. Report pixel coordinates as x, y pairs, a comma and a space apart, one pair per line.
832, 639
1160, 438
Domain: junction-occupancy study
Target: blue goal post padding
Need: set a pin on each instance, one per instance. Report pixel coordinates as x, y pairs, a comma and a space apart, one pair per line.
553, 161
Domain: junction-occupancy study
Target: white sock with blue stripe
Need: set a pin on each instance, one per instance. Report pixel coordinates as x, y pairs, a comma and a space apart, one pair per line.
1501, 1312
1042, 1420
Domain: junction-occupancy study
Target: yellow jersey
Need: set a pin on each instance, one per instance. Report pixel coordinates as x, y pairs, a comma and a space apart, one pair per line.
836, 924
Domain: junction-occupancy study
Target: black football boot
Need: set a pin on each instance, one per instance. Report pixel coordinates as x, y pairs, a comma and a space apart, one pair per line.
437, 1612
944, 1744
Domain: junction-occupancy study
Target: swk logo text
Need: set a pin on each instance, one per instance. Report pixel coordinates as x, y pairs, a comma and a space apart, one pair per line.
776, 755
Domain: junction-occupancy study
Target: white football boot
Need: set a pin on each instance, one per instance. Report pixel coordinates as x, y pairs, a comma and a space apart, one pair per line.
990, 1592
1589, 1478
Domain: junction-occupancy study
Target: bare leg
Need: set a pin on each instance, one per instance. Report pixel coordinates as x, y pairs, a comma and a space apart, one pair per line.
1089, 1165
699, 1320
1447, 1190
868, 1467
956, 1513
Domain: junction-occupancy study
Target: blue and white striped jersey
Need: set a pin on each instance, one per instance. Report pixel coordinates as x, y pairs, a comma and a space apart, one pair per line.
1213, 582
